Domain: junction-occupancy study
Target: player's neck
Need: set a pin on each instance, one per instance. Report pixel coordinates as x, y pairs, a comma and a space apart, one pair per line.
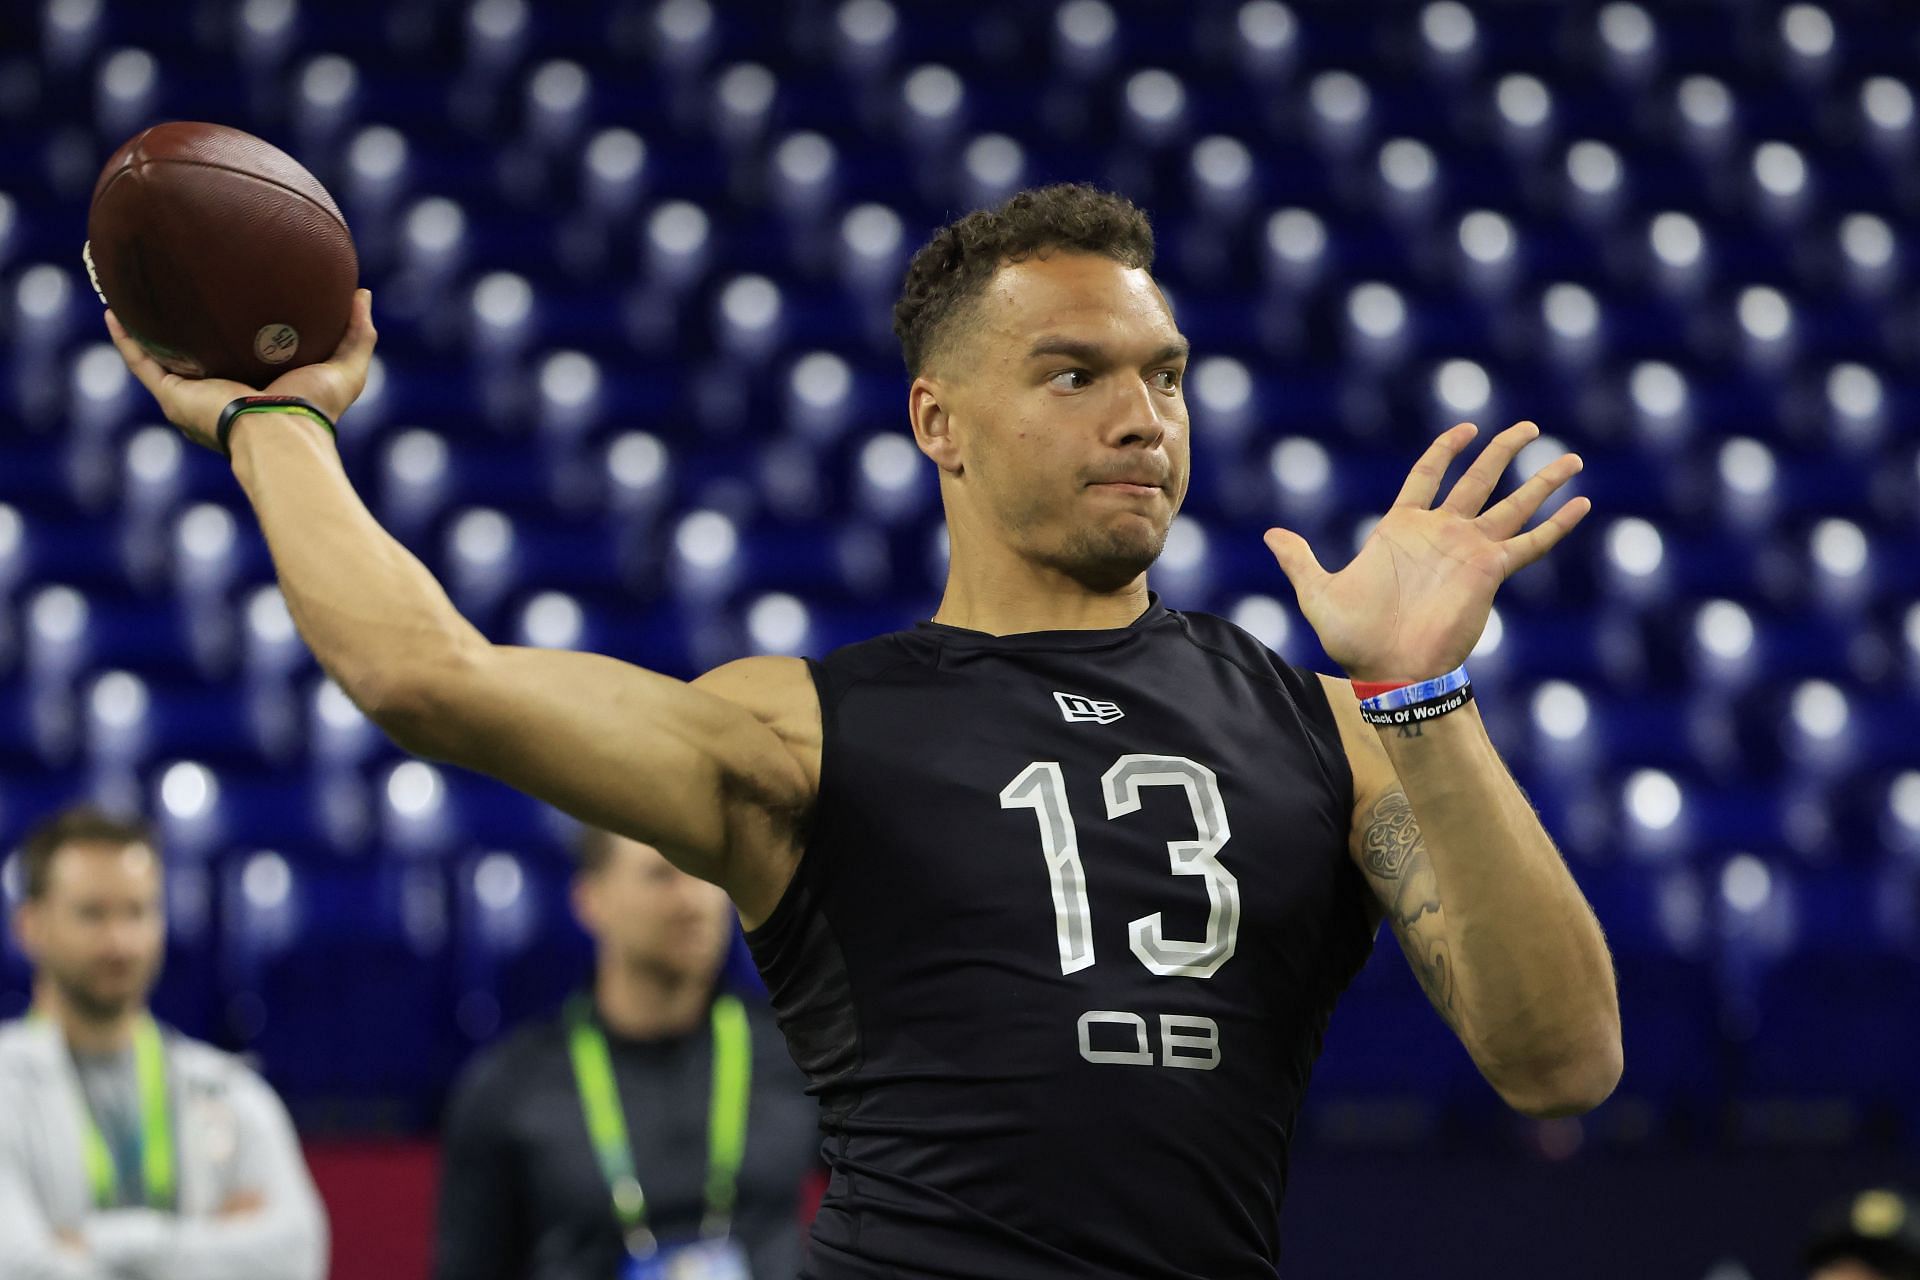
1014, 595
84, 1034
649, 1003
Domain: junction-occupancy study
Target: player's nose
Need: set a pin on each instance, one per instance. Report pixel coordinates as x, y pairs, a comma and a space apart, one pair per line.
1140, 419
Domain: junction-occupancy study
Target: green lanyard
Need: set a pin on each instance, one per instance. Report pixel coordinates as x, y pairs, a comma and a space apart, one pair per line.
607, 1123
156, 1123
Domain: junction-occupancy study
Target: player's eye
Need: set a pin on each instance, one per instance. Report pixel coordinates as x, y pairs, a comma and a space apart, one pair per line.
1167, 379
1081, 374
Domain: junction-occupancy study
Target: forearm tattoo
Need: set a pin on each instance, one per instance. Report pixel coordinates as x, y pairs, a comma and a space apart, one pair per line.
1395, 857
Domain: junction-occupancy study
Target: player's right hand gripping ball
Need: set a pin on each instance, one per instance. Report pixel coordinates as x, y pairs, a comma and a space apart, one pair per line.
220, 254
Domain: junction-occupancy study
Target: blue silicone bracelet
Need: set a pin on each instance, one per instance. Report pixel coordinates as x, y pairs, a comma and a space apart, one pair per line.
1423, 691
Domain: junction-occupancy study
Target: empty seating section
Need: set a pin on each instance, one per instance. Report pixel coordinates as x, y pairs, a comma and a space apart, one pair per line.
637, 392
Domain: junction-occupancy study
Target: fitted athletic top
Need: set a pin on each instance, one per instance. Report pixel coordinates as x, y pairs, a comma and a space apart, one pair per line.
1060, 951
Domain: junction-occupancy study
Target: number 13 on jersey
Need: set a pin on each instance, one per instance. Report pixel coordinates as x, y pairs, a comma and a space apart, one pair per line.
1042, 787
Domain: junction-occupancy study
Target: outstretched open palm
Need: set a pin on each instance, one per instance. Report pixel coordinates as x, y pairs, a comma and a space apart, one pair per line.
194, 404
1412, 604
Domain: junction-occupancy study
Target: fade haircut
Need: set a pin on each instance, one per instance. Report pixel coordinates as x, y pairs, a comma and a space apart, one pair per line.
80, 824
950, 273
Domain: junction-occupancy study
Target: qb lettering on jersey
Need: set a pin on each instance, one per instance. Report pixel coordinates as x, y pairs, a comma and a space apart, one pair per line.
1080, 710
1185, 1041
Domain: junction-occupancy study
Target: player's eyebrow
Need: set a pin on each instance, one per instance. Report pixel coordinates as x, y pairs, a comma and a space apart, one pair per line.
1092, 353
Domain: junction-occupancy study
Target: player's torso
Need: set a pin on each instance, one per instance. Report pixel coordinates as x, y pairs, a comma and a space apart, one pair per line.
1093, 902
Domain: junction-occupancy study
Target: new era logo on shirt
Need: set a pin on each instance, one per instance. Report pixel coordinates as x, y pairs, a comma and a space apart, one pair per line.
1078, 709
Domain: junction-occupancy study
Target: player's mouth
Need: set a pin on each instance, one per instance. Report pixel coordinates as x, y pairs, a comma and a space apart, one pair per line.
1128, 487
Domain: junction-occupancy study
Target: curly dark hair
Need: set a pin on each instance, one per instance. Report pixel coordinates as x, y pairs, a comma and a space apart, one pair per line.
951, 272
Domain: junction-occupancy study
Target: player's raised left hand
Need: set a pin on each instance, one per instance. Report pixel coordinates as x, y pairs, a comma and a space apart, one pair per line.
1413, 603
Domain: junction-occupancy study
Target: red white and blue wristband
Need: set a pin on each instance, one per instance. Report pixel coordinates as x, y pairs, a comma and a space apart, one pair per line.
1399, 702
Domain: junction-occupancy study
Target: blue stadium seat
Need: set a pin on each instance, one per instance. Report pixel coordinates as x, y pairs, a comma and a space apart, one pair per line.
1389, 1058
313, 955
188, 993
329, 93
1660, 929
518, 953
1819, 1002
935, 102
1085, 35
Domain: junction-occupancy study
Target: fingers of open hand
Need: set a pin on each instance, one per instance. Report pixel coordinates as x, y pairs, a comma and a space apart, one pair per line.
1296, 559
1536, 542
1471, 491
1510, 515
1424, 480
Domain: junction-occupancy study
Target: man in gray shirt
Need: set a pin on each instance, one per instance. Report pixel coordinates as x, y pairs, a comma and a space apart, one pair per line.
129, 1151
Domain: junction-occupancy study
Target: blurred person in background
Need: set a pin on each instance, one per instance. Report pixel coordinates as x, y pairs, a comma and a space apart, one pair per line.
126, 1148
657, 1126
1872, 1235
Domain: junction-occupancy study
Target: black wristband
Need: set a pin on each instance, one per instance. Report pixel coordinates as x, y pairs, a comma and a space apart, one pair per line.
265, 404
1415, 713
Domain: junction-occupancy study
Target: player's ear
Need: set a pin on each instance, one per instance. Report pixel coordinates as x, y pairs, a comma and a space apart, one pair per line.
932, 423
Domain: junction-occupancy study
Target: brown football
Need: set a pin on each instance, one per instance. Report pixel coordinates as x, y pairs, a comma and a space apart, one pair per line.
220, 253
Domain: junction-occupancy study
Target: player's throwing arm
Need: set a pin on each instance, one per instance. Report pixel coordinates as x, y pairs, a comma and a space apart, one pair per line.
717, 787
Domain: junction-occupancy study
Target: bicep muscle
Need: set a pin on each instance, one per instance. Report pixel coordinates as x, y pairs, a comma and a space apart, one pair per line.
677, 765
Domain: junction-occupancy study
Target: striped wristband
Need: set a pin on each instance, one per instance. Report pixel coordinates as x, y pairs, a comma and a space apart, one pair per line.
1415, 701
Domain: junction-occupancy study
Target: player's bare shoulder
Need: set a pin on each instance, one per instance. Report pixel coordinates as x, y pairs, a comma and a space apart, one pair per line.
780, 694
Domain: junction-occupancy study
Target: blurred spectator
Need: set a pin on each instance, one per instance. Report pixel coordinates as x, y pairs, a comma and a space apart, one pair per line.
126, 1149
1873, 1235
657, 1127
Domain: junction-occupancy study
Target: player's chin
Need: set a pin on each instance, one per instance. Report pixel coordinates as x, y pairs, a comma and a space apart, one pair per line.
1141, 532
1112, 554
